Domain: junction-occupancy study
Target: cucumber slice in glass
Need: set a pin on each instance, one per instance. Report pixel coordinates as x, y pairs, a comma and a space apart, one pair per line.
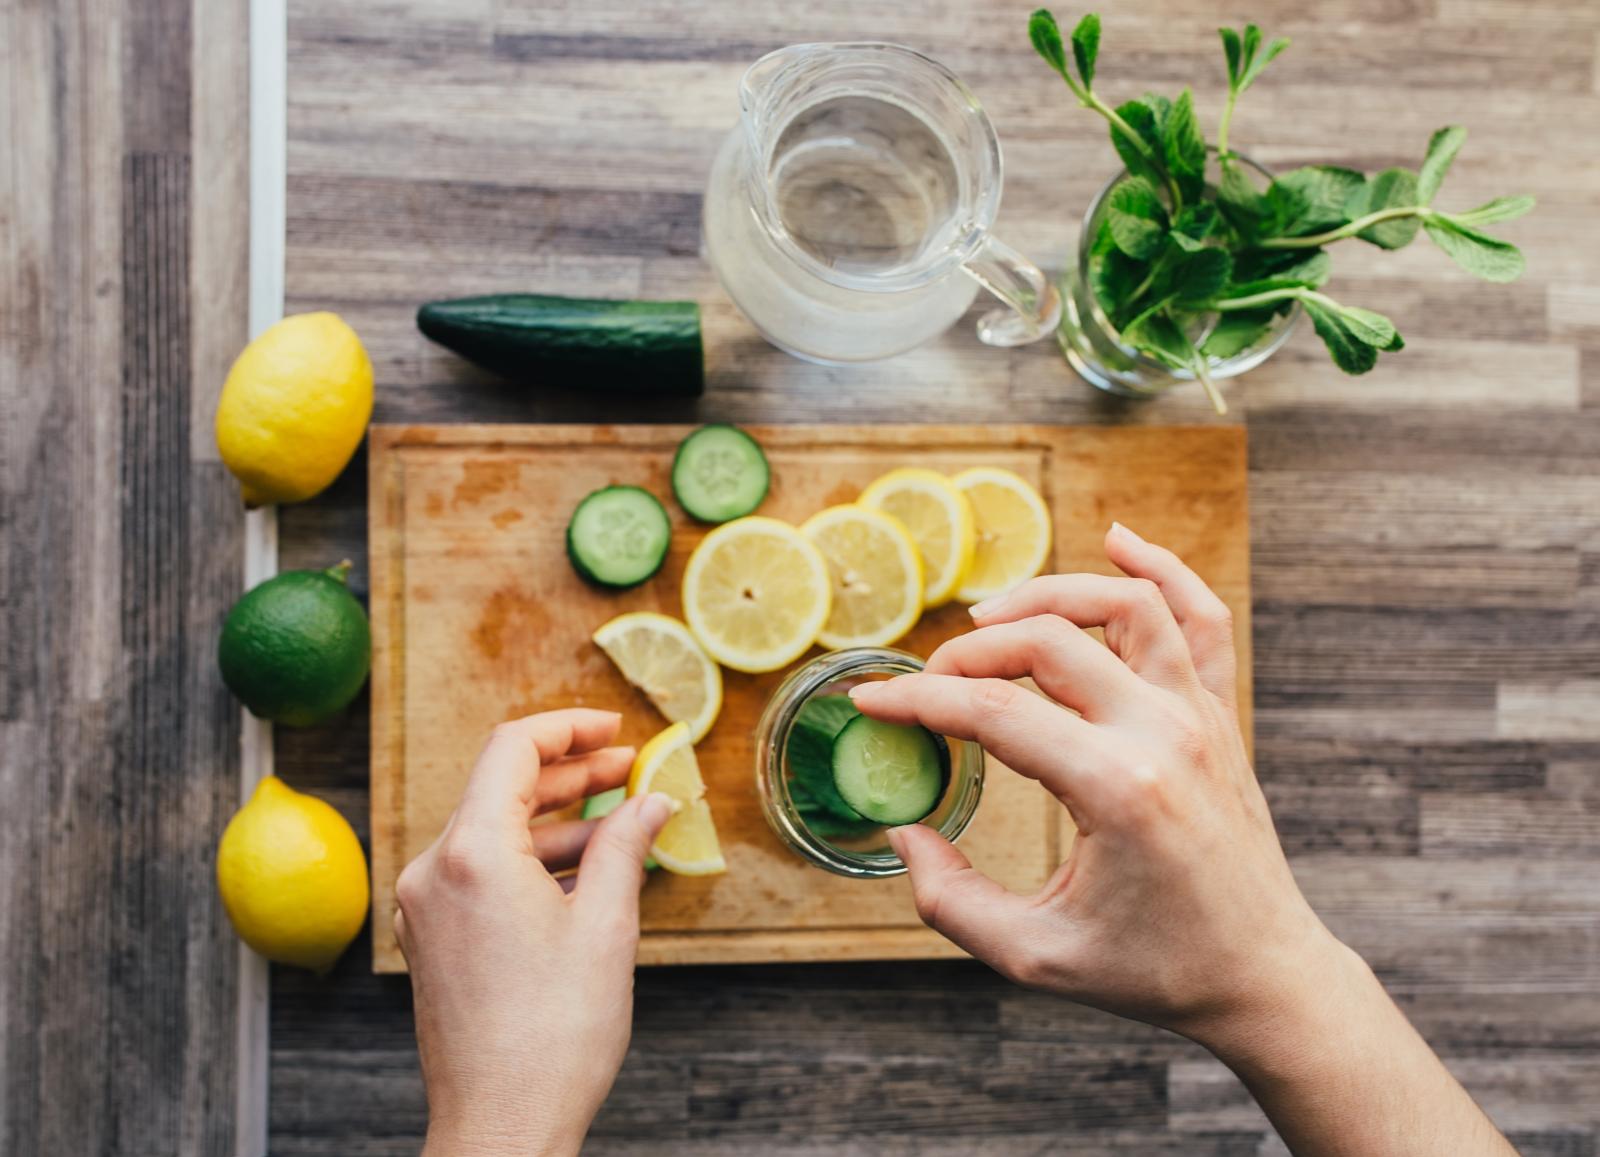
888, 772
719, 474
619, 536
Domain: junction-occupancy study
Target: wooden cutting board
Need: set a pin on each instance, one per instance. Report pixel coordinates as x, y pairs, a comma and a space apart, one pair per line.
477, 618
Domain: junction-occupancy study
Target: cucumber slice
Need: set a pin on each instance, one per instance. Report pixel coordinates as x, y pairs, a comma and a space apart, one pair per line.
720, 473
888, 772
598, 807
619, 536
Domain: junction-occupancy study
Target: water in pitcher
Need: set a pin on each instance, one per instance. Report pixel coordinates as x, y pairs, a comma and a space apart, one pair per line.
865, 186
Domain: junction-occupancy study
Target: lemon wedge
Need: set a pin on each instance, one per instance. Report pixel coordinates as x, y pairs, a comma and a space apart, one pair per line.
1013, 527
755, 594
939, 519
688, 844
659, 655
876, 574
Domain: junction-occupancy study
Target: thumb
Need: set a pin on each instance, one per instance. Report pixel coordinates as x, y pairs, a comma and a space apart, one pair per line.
612, 868
961, 903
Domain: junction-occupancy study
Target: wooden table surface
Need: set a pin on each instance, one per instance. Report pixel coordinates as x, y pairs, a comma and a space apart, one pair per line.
1426, 546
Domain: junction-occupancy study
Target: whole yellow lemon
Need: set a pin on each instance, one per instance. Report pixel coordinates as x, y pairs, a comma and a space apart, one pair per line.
294, 408
292, 876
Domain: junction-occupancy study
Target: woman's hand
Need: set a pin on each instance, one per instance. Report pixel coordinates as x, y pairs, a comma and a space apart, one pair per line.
1176, 905
524, 983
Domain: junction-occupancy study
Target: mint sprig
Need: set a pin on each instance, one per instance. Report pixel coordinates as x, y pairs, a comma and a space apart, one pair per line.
1191, 266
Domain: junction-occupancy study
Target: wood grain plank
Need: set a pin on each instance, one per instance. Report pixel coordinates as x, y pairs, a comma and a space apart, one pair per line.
119, 555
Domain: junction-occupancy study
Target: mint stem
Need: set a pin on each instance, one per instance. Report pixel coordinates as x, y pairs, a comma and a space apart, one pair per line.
1222, 126
1089, 100
1271, 296
1360, 223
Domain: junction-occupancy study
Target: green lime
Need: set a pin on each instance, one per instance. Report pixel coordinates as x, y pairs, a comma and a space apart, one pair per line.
296, 649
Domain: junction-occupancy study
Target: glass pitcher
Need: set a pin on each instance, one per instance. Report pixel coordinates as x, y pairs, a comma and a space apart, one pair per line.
848, 214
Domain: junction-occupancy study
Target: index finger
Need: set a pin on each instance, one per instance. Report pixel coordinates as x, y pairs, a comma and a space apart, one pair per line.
1026, 732
505, 780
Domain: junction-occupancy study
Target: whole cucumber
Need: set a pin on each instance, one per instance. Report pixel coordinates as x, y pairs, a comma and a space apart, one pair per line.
638, 347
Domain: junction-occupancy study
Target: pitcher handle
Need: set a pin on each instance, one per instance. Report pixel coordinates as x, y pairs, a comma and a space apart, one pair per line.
1033, 305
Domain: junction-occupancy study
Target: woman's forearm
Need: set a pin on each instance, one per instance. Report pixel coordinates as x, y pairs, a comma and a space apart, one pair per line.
1341, 1072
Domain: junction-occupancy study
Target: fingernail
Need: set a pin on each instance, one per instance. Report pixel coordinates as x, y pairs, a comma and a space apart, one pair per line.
1118, 528
859, 690
895, 839
987, 607
656, 809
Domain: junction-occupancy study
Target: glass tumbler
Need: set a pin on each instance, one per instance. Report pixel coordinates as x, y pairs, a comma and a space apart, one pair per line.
865, 854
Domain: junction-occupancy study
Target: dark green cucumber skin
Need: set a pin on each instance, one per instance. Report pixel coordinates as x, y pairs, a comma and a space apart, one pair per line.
700, 514
943, 749
634, 347
575, 556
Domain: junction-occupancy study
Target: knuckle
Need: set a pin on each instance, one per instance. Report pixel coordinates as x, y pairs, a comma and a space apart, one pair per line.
1025, 964
1145, 795
1050, 632
1145, 597
927, 900
507, 732
410, 885
461, 861
995, 697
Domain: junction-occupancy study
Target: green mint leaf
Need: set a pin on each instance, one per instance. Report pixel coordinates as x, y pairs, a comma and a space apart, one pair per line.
1349, 353
1141, 118
1137, 197
1200, 276
1392, 188
1236, 331
1500, 209
1086, 46
1046, 37
1442, 149
1372, 328
1286, 208
1231, 50
1183, 144
1197, 220
1136, 235
1322, 192
1241, 203
1162, 108
1158, 335
1114, 277
1103, 241
1258, 64
1185, 242
1478, 253
1309, 269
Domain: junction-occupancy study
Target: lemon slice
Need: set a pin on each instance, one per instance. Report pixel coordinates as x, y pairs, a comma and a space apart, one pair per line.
755, 593
1013, 532
876, 574
939, 519
658, 655
688, 844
